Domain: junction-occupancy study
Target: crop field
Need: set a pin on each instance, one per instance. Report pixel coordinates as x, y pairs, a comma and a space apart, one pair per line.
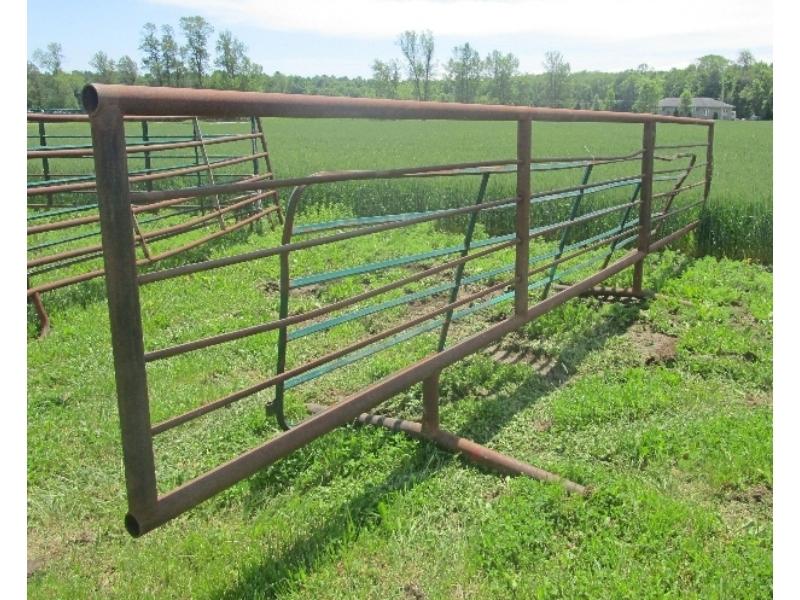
663, 407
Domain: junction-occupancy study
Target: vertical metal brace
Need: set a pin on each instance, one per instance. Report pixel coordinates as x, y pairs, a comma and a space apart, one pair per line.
268, 162
276, 407
459, 273
623, 222
45, 160
522, 221
645, 208
565, 233
430, 404
259, 204
119, 257
147, 161
198, 134
709, 163
195, 137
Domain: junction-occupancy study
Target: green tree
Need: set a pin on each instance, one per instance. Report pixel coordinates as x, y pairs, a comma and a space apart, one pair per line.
464, 72
611, 99
196, 30
501, 69
151, 61
127, 71
557, 79
686, 103
232, 59
172, 66
103, 66
710, 69
50, 59
417, 48
386, 77
648, 93
34, 87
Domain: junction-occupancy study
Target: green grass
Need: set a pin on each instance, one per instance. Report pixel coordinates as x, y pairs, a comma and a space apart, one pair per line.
678, 454
736, 224
677, 449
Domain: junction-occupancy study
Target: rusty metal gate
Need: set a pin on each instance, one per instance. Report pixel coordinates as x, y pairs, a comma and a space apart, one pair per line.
545, 259
63, 237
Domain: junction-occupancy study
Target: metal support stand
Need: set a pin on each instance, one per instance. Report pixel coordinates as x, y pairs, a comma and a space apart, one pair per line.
44, 319
430, 430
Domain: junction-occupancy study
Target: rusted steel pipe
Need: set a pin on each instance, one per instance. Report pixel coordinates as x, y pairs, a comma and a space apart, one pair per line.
84, 118
318, 312
86, 152
470, 450
522, 216
646, 195
284, 375
142, 100
108, 137
665, 241
309, 243
325, 177
680, 190
87, 185
709, 163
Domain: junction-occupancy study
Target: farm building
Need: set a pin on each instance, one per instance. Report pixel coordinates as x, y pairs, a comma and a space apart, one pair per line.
704, 108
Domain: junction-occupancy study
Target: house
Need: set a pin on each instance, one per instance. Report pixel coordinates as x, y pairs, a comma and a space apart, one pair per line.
703, 108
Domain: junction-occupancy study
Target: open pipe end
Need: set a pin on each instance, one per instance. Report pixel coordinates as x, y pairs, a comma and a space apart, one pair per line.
89, 98
131, 524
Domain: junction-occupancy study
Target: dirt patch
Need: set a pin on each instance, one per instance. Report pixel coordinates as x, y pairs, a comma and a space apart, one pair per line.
270, 287
543, 426
758, 494
651, 346
34, 566
412, 590
764, 399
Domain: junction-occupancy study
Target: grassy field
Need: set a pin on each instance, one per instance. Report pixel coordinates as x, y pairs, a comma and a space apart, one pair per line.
663, 407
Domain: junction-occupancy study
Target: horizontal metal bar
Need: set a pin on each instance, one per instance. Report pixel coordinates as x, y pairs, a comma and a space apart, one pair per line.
668, 147
151, 175
291, 320
286, 248
210, 215
144, 100
46, 287
84, 118
63, 211
666, 240
666, 215
679, 190
680, 169
55, 152
291, 373
349, 355
325, 177
471, 451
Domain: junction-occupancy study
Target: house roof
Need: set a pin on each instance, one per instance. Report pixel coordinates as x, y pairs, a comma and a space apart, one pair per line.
696, 103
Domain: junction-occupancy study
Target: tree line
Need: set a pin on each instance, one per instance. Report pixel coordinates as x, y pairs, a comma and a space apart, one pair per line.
188, 58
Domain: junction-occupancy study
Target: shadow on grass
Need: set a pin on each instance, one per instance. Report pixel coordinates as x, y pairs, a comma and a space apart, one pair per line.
343, 524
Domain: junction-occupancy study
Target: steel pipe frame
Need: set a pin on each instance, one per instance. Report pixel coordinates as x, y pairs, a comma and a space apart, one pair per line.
90, 252
108, 104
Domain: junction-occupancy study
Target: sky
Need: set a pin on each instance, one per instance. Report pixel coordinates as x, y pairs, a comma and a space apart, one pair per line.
343, 37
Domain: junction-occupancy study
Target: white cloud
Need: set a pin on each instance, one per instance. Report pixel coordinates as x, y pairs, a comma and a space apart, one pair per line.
740, 23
